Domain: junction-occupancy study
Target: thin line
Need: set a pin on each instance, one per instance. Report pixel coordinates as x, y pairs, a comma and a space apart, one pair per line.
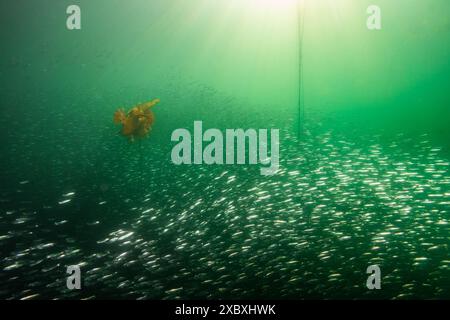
301, 99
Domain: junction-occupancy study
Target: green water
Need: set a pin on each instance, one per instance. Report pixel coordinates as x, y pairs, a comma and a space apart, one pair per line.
365, 182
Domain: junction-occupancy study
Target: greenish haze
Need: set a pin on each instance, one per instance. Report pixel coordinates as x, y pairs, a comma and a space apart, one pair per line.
366, 181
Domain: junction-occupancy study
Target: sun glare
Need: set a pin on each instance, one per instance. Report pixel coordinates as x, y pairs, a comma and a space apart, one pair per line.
278, 3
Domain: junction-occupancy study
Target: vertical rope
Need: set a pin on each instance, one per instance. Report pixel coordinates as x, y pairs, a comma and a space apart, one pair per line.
301, 100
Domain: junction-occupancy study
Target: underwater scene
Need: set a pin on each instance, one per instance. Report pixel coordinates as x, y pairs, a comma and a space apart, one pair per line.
225, 149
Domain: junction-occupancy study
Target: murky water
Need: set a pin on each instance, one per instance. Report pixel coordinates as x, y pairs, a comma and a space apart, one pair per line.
355, 188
